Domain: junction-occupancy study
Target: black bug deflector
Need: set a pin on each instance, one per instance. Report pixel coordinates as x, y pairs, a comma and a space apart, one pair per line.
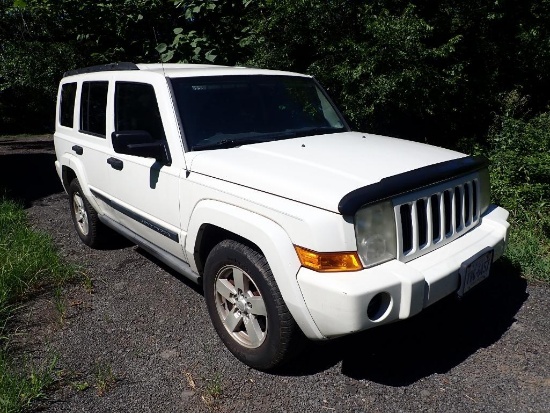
410, 181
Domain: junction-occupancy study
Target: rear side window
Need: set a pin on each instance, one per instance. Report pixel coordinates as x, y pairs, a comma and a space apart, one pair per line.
93, 108
136, 108
66, 113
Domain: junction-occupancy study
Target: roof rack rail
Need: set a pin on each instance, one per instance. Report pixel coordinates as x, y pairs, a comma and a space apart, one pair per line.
102, 68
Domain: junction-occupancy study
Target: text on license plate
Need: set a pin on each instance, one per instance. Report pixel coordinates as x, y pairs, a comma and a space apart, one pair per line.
472, 272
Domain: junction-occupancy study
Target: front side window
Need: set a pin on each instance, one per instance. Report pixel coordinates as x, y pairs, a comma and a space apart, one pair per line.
93, 108
136, 109
224, 111
66, 106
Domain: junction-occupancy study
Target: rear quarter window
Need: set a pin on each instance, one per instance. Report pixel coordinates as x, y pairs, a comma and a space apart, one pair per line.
66, 106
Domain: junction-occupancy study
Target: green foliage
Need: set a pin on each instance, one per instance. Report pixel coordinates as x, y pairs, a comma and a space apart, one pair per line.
18, 390
529, 249
28, 84
27, 259
520, 176
209, 31
415, 69
104, 377
520, 155
380, 61
41, 39
419, 70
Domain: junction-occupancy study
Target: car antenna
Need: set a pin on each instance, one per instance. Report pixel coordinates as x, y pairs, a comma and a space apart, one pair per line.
161, 62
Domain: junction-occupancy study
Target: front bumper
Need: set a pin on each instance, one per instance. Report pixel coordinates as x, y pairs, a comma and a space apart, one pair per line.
339, 302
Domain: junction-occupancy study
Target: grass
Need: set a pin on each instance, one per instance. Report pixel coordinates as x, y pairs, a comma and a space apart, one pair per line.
28, 261
212, 391
18, 390
214, 386
104, 378
529, 249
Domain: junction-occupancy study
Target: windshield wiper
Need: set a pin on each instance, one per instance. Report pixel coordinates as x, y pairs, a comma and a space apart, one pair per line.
322, 130
225, 143
234, 142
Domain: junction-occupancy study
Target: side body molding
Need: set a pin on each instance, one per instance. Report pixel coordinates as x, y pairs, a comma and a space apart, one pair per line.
273, 242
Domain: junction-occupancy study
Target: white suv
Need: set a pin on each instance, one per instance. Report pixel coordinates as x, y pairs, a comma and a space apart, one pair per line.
251, 183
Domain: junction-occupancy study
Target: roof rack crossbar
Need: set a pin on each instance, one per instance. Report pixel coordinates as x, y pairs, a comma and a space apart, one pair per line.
102, 68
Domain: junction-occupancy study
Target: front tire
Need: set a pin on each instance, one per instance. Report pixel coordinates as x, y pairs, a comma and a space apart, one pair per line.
246, 306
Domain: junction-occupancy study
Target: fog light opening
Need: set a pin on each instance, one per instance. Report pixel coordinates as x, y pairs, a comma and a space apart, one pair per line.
378, 306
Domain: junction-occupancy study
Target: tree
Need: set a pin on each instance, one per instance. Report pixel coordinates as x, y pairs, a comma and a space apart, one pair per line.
41, 39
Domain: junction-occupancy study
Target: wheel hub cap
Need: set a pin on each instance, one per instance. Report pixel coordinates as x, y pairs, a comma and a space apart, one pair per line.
242, 304
241, 307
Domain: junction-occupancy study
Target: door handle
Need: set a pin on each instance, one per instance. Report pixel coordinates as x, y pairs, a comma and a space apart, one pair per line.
79, 150
116, 163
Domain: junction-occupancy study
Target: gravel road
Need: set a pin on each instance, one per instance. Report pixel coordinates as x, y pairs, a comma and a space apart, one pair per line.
133, 336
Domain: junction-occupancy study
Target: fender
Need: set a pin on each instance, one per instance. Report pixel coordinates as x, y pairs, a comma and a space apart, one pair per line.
274, 243
75, 164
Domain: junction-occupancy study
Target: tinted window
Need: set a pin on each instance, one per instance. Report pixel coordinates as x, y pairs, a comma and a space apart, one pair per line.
66, 114
136, 108
93, 107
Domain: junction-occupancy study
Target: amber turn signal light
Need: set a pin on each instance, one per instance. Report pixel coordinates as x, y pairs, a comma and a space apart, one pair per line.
328, 261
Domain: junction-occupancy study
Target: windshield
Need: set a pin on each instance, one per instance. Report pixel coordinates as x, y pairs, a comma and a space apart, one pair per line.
227, 111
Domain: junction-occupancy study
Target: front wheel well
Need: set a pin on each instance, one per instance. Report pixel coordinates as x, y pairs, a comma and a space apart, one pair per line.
209, 236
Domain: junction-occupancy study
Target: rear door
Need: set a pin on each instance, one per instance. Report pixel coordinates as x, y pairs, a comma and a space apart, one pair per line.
81, 130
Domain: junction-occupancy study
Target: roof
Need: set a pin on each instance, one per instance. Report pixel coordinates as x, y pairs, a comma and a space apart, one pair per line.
180, 69
192, 70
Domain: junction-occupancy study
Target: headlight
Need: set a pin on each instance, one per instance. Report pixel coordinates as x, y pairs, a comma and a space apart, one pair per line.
484, 190
375, 233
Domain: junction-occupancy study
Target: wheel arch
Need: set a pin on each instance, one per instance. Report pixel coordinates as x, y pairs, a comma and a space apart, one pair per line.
67, 176
213, 221
210, 235
72, 168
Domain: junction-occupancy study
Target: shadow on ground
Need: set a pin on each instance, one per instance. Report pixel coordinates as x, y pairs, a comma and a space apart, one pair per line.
28, 176
24, 144
435, 341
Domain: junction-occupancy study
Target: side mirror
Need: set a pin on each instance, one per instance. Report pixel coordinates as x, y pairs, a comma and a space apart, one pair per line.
140, 143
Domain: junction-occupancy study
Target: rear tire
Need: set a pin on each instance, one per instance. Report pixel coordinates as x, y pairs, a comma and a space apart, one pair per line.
246, 306
85, 219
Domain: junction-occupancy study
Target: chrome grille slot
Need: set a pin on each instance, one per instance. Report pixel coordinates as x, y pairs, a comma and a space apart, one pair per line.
407, 227
434, 217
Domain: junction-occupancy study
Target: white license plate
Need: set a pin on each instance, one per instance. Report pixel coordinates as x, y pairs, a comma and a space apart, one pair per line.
475, 270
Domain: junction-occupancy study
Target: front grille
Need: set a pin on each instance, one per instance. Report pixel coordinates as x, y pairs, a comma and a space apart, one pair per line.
433, 218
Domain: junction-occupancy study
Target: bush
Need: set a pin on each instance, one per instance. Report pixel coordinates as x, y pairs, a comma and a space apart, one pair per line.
520, 175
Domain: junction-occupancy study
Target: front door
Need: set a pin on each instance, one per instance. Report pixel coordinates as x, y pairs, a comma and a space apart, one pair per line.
144, 193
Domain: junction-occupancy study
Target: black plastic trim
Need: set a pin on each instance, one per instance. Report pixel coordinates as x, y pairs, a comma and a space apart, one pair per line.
137, 217
172, 261
102, 68
410, 181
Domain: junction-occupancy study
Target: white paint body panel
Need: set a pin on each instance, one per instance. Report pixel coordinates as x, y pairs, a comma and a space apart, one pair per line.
318, 170
338, 302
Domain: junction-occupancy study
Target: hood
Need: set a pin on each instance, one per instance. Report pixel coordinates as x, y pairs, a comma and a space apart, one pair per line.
317, 170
